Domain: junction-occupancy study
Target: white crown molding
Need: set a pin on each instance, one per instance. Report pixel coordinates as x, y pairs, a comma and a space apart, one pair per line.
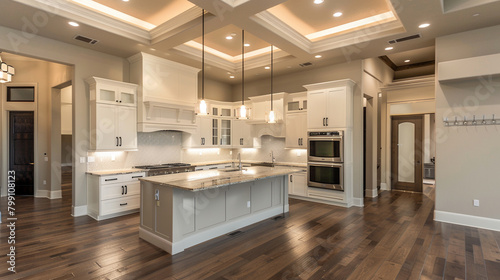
210, 59
83, 15
357, 37
278, 27
235, 3
429, 81
162, 31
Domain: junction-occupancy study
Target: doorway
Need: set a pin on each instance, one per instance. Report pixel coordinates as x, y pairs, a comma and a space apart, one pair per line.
407, 152
21, 150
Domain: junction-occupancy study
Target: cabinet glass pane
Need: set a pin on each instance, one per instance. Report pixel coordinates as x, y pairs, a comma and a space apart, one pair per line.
215, 132
304, 104
107, 95
225, 132
215, 111
127, 97
293, 106
406, 152
226, 112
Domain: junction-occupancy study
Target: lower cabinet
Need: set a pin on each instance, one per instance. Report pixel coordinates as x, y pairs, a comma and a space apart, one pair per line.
297, 184
113, 195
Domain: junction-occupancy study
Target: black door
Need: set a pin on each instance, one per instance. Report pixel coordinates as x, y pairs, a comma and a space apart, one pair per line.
21, 150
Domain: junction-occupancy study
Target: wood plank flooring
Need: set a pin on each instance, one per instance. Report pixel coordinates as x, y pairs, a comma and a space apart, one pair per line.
392, 237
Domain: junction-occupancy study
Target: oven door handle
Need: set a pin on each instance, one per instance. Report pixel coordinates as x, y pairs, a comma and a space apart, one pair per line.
333, 139
325, 164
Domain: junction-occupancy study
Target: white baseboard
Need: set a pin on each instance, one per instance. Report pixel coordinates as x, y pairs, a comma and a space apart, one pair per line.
49, 194
467, 220
358, 202
77, 211
371, 193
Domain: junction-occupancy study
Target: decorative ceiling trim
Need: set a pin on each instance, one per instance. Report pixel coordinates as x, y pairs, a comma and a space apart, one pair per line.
84, 15
277, 26
161, 31
210, 59
359, 36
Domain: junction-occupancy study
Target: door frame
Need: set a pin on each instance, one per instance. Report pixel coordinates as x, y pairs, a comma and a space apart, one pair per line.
419, 173
6, 108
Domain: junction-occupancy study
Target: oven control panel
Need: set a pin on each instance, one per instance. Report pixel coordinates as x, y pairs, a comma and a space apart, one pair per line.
325, 133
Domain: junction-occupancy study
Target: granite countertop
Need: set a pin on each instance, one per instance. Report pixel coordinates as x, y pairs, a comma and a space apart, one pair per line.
294, 164
210, 179
115, 172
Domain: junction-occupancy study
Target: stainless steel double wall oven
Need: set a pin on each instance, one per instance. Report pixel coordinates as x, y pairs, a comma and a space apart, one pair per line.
325, 167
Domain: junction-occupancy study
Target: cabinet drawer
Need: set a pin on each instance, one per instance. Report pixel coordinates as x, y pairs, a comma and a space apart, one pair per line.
120, 178
117, 205
120, 190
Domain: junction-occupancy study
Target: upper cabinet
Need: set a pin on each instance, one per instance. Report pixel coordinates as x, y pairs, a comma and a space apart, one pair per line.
332, 103
261, 105
113, 115
296, 130
167, 94
296, 102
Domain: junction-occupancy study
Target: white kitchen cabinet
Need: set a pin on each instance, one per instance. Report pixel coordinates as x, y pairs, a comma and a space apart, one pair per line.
261, 105
296, 130
242, 134
296, 102
113, 123
113, 195
210, 132
297, 184
332, 105
167, 95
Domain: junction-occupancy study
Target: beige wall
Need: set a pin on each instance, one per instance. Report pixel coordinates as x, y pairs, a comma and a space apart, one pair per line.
215, 90
469, 155
86, 63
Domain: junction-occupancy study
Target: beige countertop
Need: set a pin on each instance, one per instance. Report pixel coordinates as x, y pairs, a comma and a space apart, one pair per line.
294, 164
210, 179
115, 172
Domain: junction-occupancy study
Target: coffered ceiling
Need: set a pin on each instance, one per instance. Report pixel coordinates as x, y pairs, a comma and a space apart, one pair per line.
300, 30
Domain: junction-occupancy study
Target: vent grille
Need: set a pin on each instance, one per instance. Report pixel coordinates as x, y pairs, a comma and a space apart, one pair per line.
86, 39
407, 38
305, 64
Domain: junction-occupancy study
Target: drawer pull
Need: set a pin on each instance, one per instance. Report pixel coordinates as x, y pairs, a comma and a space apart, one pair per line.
139, 176
123, 204
112, 179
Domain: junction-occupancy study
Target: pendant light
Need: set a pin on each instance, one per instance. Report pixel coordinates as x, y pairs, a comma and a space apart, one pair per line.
271, 113
6, 72
203, 105
243, 109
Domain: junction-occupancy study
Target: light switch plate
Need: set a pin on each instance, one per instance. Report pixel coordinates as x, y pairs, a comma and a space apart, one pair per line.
90, 159
476, 202
46, 158
82, 159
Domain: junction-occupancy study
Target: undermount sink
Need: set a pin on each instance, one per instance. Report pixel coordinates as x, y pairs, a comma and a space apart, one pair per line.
232, 169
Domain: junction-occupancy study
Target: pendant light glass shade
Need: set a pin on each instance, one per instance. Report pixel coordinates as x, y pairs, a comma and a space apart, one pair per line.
271, 116
202, 106
242, 112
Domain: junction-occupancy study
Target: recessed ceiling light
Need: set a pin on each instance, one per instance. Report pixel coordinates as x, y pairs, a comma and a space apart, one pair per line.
407, 60
475, 15
389, 48
153, 49
424, 25
247, 45
318, 1
72, 23
125, 0
317, 56
337, 14
231, 77
267, 67
229, 37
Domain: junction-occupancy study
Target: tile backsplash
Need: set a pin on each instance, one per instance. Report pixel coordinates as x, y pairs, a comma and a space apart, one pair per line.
166, 147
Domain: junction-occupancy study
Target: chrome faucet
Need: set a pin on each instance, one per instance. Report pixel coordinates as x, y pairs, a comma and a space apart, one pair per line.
273, 159
239, 160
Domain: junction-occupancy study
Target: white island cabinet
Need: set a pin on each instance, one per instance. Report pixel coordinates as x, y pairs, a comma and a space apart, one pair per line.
181, 210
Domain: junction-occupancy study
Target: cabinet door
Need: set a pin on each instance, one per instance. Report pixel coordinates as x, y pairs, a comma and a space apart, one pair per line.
215, 132
126, 96
106, 94
205, 128
296, 131
316, 117
127, 127
106, 127
337, 108
225, 132
297, 184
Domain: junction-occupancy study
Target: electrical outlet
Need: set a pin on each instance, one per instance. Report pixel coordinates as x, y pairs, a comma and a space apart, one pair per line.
476, 202
46, 158
82, 159
248, 204
113, 157
90, 159
45, 182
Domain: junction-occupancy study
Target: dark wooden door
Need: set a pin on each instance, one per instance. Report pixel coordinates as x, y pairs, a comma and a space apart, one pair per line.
407, 152
21, 150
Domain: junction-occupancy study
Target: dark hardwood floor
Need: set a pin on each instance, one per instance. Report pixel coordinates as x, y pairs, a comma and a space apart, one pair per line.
392, 237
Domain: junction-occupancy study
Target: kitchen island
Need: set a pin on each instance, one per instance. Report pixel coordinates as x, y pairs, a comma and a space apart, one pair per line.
181, 210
